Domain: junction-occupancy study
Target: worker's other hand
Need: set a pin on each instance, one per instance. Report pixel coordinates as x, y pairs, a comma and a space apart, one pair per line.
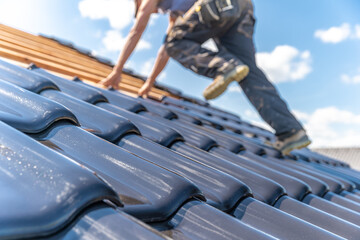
112, 80
145, 89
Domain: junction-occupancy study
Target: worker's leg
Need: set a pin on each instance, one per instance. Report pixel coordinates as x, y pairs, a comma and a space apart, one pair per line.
184, 45
261, 93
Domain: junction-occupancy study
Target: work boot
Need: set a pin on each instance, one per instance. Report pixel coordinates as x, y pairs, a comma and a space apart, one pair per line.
221, 82
296, 141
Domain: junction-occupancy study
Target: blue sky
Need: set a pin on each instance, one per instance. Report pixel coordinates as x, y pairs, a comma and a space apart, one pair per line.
309, 49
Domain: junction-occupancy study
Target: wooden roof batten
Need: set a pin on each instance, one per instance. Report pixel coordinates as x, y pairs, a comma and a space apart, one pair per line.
23, 47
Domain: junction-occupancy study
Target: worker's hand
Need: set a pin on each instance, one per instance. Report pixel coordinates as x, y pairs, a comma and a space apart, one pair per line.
112, 80
145, 89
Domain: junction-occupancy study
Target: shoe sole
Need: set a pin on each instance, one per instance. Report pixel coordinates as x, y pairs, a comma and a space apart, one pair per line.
218, 87
297, 145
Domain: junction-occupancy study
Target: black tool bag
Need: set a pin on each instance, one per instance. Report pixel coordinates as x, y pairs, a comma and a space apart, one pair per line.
212, 11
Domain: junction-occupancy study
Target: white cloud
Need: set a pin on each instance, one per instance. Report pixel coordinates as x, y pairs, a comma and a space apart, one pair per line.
331, 127
326, 127
254, 119
115, 41
146, 68
32, 16
285, 64
351, 80
153, 19
98, 34
334, 34
301, 115
162, 77
357, 31
119, 13
131, 65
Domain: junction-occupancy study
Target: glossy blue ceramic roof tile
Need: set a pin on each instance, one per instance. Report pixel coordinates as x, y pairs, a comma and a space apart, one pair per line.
205, 113
129, 104
28, 111
154, 131
296, 188
24, 78
112, 126
196, 213
72, 88
155, 108
162, 111
348, 185
204, 119
272, 220
264, 194
119, 112
192, 133
148, 191
350, 195
78, 144
263, 188
334, 184
196, 100
164, 134
201, 109
332, 208
102, 222
319, 218
318, 187
221, 190
150, 107
104, 104
41, 190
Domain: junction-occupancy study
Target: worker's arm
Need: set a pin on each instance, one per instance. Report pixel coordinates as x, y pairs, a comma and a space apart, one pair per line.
160, 63
146, 8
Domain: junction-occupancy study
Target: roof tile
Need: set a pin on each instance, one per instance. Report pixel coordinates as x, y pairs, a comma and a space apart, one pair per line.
42, 191
187, 150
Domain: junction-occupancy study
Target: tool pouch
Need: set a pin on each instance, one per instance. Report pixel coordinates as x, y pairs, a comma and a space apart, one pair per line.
211, 11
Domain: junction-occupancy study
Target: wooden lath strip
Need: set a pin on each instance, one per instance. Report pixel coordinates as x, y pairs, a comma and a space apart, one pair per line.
82, 60
126, 89
49, 54
40, 40
78, 59
46, 57
26, 58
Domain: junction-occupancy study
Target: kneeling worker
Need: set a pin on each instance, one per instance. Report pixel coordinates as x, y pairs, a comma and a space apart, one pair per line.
231, 24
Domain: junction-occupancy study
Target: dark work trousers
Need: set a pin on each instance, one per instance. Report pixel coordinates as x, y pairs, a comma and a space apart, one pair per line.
236, 47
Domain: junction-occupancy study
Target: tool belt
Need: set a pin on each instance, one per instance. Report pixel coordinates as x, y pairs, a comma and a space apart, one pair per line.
211, 11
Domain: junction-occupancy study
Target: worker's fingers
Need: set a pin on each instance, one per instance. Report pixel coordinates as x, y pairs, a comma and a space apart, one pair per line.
102, 82
112, 81
116, 86
105, 82
140, 92
143, 92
